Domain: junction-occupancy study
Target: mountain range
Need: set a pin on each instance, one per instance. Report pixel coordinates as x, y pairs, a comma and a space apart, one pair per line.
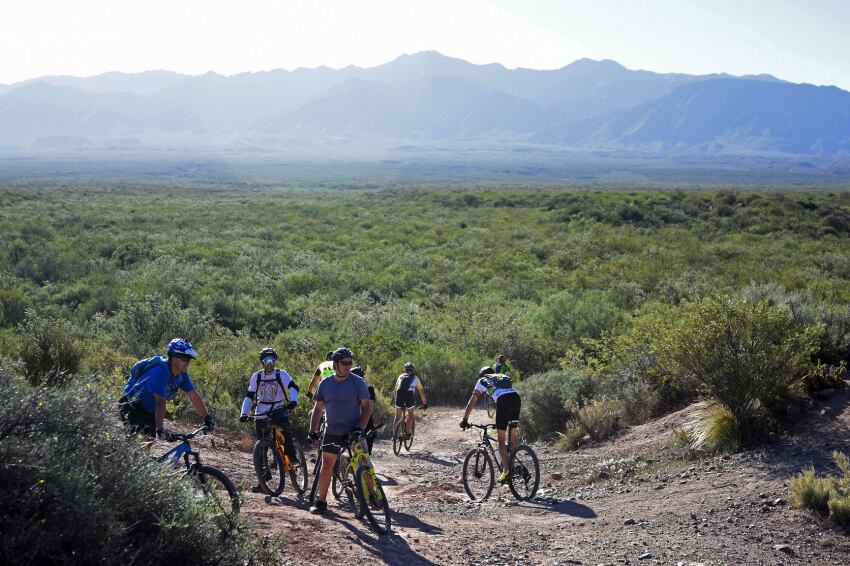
430, 100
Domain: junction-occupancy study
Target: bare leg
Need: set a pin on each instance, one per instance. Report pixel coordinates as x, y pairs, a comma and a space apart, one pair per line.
328, 462
409, 420
503, 451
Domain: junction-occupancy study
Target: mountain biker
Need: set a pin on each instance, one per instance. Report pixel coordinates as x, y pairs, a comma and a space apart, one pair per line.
142, 404
406, 384
502, 366
500, 388
370, 426
272, 388
344, 398
325, 369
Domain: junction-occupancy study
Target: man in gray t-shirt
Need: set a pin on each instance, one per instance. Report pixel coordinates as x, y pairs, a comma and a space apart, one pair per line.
344, 397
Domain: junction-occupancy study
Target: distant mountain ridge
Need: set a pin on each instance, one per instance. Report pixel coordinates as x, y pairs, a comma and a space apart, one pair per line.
427, 98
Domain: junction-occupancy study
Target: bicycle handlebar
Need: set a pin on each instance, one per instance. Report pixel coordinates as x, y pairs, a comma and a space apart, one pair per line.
483, 427
185, 437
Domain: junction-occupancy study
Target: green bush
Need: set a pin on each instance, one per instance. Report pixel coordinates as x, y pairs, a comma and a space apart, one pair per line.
76, 490
714, 430
547, 397
49, 348
744, 355
830, 494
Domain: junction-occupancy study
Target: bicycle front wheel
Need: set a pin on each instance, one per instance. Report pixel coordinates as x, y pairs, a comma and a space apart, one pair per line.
217, 487
373, 500
398, 437
525, 473
478, 474
298, 469
408, 440
338, 482
268, 467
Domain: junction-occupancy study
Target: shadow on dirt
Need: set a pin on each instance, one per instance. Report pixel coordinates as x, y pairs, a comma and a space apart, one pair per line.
391, 548
564, 507
432, 459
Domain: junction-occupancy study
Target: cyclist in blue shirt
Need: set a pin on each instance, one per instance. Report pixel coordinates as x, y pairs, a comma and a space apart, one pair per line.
152, 382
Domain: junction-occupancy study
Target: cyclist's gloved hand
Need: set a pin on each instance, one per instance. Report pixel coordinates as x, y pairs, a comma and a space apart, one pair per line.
164, 435
356, 433
291, 405
209, 423
309, 395
424, 406
313, 437
464, 424
243, 418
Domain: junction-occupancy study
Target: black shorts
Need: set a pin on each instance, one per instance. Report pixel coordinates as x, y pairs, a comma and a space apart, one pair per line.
136, 418
404, 399
330, 442
507, 409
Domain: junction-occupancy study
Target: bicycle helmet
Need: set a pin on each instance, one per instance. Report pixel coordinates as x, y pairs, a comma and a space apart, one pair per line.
269, 351
409, 367
359, 371
341, 353
486, 370
181, 347
502, 358
329, 356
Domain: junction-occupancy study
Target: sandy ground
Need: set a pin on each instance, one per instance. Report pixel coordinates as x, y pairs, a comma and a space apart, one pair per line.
719, 510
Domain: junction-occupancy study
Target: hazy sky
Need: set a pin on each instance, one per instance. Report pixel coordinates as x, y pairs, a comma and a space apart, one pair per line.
798, 40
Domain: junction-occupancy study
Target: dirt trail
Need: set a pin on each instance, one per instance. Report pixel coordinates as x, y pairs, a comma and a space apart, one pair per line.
723, 510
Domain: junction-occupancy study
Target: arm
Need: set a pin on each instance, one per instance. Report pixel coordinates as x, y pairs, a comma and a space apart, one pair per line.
311, 388
473, 400
421, 392
318, 409
365, 412
197, 402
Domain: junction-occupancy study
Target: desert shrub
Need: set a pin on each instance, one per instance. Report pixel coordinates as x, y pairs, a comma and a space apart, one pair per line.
600, 418
49, 348
13, 306
837, 347
76, 490
566, 318
830, 494
714, 430
618, 469
144, 325
823, 376
745, 355
448, 375
547, 399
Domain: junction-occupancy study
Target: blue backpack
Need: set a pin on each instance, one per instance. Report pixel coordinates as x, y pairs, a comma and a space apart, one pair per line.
142, 366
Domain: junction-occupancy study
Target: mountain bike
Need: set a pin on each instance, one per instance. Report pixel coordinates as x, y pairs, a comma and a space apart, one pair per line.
355, 475
271, 463
209, 482
479, 471
340, 468
401, 436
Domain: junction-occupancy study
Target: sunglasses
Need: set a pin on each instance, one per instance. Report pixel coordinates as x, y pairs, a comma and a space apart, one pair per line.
346, 363
186, 359
269, 360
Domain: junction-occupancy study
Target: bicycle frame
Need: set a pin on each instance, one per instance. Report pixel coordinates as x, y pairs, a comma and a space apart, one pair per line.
488, 441
184, 451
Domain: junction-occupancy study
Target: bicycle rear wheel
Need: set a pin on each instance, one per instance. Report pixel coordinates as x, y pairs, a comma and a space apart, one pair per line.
217, 487
298, 469
408, 440
491, 407
373, 500
268, 467
525, 473
478, 474
398, 439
